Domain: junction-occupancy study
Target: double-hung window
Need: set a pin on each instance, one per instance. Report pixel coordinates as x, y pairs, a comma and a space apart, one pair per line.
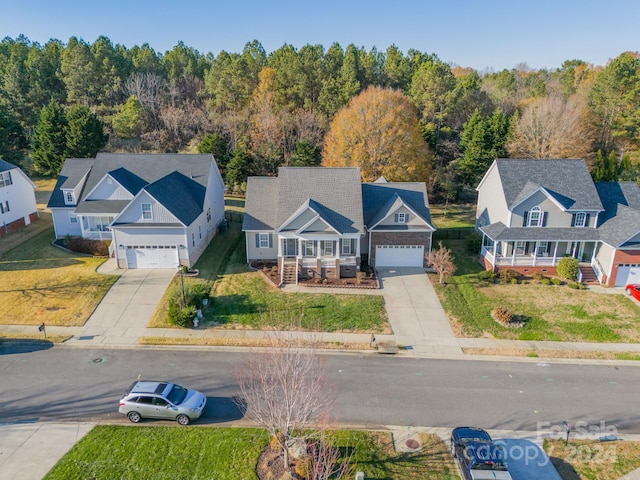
263, 240
535, 217
5, 179
309, 248
146, 211
68, 197
347, 246
580, 219
326, 247
542, 249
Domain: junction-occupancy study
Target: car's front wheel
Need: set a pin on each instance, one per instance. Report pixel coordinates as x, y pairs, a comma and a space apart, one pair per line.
183, 419
628, 291
134, 417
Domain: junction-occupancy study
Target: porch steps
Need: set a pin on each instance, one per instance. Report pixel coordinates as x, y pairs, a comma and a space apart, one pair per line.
290, 273
588, 276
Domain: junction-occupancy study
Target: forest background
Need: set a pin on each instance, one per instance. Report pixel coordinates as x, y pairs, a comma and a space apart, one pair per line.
257, 110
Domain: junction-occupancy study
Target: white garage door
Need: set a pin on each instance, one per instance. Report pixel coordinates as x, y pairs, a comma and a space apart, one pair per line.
628, 273
156, 256
399, 255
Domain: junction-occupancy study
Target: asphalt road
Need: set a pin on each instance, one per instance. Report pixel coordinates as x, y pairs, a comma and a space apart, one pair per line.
86, 384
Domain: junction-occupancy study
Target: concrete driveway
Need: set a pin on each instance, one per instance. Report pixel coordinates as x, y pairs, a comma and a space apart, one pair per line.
415, 313
123, 313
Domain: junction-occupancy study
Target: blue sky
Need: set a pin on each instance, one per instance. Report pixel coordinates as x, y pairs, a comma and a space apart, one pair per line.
493, 34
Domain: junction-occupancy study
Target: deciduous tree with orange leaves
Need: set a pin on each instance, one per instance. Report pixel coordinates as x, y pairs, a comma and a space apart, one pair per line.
378, 131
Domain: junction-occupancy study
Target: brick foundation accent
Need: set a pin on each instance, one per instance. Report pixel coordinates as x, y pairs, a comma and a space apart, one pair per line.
621, 257
33, 216
399, 238
12, 227
528, 271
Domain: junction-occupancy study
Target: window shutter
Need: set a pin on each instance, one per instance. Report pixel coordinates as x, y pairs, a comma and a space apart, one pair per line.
525, 218
257, 240
395, 218
270, 241
406, 218
544, 218
586, 220
353, 246
335, 251
573, 220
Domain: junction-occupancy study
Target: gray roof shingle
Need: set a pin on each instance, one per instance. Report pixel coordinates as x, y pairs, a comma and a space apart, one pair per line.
133, 171
567, 180
181, 195
379, 198
4, 165
500, 232
334, 192
621, 219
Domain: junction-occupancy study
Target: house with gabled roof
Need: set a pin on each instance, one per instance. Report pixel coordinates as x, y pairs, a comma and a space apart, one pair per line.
323, 222
17, 198
157, 211
531, 213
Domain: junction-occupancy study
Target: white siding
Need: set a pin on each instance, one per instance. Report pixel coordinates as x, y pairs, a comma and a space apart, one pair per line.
604, 256
133, 212
256, 253
62, 225
414, 220
21, 197
492, 206
109, 191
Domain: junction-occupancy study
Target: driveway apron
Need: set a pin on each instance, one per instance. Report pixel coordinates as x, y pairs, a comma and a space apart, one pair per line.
415, 313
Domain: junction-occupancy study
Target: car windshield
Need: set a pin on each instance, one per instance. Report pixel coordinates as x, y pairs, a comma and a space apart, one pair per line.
177, 394
490, 466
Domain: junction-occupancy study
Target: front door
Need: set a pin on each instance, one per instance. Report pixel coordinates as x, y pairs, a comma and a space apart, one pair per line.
290, 247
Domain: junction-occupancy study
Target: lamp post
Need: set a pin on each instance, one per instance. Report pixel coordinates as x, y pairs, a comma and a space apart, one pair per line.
184, 300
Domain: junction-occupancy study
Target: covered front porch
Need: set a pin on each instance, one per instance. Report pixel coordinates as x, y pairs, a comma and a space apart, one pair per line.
534, 253
319, 257
96, 227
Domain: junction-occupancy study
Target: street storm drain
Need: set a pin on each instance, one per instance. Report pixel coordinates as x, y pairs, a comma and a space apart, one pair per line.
97, 360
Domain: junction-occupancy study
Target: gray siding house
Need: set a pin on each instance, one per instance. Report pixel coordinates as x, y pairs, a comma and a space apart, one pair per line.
531, 213
157, 211
323, 222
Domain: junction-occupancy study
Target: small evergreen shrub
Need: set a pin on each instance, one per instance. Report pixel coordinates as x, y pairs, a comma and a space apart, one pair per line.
514, 281
576, 286
473, 242
507, 275
556, 281
487, 275
567, 268
538, 276
181, 316
546, 281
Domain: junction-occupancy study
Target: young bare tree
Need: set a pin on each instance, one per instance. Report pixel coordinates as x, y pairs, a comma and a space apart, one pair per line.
442, 261
552, 127
285, 389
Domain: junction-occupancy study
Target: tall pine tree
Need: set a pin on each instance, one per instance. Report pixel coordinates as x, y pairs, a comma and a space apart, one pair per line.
48, 142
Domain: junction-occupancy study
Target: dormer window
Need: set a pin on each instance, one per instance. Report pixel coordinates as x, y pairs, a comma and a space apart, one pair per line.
580, 219
146, 211
534, 218
5, 179
68, 197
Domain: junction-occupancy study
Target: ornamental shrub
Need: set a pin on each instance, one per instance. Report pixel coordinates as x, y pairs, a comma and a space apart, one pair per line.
567, 268
473, 242
508, 275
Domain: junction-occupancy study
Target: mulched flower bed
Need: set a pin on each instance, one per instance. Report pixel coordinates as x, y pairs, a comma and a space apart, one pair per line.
270, 271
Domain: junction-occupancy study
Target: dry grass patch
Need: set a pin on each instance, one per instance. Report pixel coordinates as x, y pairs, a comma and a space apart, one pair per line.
551, 353
592, 459
573, 315
243, 342
35, 336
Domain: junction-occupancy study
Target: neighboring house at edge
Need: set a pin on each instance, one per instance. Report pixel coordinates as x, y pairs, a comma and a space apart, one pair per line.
531, 213
159, 211
323, 222
17, 199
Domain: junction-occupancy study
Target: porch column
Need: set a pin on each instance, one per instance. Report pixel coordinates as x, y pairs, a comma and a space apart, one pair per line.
495, 250
555, 253
535, 253
513, 255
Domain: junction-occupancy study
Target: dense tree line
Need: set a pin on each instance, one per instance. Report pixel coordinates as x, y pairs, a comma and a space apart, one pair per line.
296, 106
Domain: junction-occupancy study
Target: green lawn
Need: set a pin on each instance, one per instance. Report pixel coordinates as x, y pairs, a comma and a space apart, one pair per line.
41, 283
160, 452
243, 299
550, 312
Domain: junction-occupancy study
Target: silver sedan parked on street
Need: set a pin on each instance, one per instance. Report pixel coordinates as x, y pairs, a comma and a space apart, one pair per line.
165, 400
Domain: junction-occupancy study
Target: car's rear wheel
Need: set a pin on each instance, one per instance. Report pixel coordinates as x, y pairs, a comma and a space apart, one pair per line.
134, 417
183, 419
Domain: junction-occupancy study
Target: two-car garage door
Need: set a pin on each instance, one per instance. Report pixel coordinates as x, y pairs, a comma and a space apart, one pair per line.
628, 273
152, 256
399, 255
